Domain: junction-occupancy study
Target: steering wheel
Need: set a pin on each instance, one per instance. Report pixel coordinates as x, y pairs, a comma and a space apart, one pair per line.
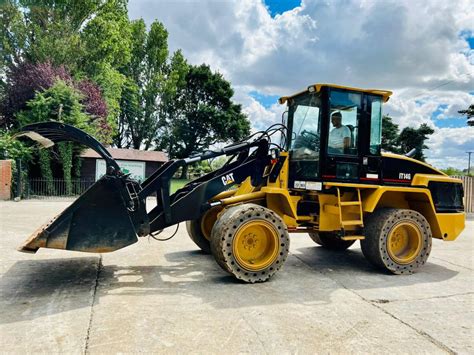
311, 139
309, 133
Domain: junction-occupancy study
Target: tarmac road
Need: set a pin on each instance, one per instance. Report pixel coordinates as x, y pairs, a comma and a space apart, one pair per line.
168, 297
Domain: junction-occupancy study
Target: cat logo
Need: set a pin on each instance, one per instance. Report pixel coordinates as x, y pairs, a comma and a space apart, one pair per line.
228, 179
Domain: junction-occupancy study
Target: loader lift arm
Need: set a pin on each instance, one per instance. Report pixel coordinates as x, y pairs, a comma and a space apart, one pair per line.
112, 212
192, 200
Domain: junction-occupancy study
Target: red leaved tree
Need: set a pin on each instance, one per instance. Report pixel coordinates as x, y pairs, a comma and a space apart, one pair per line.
26, 79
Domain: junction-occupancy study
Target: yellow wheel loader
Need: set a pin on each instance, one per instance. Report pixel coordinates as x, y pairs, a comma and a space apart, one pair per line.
326, 176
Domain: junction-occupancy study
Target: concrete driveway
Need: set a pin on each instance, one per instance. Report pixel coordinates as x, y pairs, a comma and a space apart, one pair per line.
168, 297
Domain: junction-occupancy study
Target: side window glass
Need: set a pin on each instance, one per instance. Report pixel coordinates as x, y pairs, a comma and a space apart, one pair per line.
306, 128
375, 125
344, 125
305, 140
304, 114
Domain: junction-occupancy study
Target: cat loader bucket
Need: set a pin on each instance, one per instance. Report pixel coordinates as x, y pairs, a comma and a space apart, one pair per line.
107, 217
112, 213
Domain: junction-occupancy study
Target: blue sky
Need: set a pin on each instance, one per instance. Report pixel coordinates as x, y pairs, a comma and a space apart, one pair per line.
453, 122
265, 100
277, 7
470, 40
469, 37
267, 51
457, 121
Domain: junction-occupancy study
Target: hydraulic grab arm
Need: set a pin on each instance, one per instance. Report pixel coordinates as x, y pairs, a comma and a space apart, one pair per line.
112, 212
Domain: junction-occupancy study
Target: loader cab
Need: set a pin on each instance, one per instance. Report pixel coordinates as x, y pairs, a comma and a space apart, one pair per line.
334, 135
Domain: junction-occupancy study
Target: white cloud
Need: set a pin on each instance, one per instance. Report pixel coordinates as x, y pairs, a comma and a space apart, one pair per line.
411, 47
448, 147
411, 108
396, 44
261, 116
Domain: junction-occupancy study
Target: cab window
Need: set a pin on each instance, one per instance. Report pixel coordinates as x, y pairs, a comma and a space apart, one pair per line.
305, 118
304, 114
375, 106
345, 112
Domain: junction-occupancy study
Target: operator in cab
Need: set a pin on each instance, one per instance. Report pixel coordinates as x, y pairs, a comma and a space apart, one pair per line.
340, 135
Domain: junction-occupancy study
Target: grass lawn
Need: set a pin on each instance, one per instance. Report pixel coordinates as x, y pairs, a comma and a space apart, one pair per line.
177, 184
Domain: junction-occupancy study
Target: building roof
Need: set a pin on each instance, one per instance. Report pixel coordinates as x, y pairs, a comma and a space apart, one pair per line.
129, 154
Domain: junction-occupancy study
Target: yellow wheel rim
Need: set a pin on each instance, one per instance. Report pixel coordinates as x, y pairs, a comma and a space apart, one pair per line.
404, 242
207, 222
256, 245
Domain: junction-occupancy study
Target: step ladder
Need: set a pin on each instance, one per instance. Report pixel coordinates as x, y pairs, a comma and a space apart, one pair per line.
354, 222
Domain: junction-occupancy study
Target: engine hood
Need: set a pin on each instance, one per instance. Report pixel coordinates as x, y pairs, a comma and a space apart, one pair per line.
402, 169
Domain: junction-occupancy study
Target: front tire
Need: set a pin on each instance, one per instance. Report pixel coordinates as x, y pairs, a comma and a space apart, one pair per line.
199, 230
251, 242
397, 240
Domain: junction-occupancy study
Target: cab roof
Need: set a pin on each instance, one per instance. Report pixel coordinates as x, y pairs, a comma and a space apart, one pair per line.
317, 87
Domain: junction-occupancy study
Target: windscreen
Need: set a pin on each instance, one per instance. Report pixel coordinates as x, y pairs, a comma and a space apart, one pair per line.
304, 117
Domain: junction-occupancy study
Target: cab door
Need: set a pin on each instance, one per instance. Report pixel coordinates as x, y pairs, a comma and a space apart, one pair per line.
342, 129
304, 117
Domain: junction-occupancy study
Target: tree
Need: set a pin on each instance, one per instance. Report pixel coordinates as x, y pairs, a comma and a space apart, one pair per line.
151, 80
61, 102
145, 74
411, 138
469, 112
27, 80
389, 135
404, 141
95, 107
107, 40
44, 30
11, 148
90, 38
22, 83
202, 115
453, 171
53, 55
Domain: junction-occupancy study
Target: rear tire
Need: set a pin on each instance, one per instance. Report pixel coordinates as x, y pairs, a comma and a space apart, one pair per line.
330, 241
251, 242
199, 230
397, 240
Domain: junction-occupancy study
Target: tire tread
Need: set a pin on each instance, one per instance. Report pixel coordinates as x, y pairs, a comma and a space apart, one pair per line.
378, 225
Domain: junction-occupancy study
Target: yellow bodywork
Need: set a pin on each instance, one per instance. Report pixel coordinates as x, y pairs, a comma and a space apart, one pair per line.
332, 217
